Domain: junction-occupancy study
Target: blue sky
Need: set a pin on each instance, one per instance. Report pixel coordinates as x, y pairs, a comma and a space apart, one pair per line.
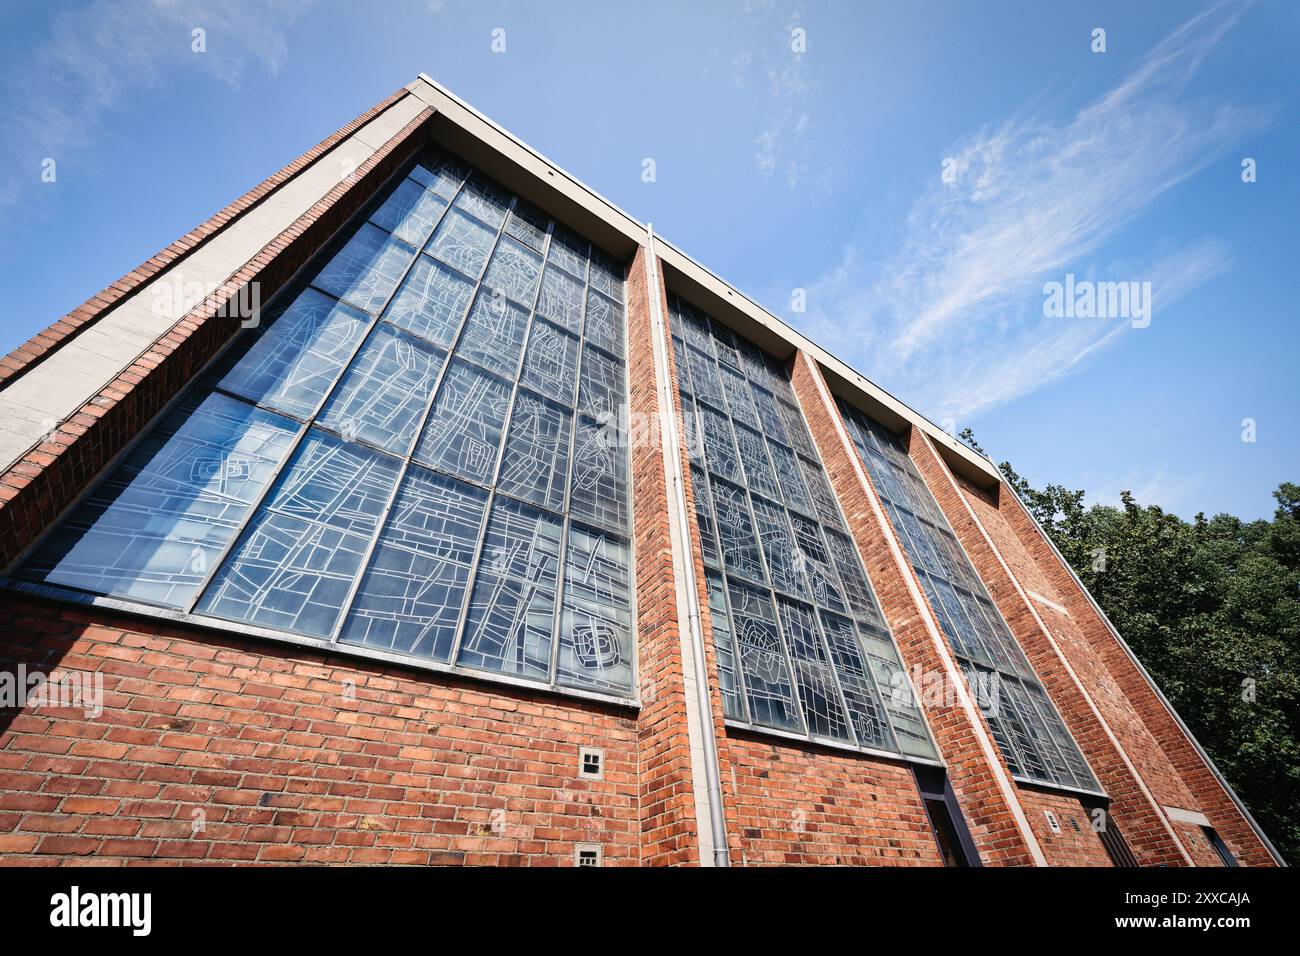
779, 170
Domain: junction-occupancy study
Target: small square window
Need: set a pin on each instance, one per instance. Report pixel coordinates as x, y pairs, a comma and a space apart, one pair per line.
587, 854
591, 763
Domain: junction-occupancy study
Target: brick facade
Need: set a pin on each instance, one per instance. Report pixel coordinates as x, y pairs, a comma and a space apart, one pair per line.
215, 747
1129, 682
1133, 805
668, 817
991, 812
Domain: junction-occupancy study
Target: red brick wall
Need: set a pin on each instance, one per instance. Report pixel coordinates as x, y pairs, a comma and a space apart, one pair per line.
286, 765
1070, 847
805, 805
727, 782
1198, 845
989, 814
670, 834
1135, 810
1211, 798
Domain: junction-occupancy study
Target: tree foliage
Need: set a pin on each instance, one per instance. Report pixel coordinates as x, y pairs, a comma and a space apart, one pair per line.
1212, 609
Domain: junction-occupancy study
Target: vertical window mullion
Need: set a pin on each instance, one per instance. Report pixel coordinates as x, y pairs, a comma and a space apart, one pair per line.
562, 567
310, 420
477, 559
382, 522
722, 564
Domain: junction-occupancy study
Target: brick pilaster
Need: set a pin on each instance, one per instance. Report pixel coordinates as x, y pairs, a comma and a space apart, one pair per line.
986, 794
1133, 805
669, 832
1210, 796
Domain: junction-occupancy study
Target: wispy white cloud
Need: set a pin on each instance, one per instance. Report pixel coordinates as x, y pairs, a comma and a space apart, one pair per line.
954, 321
1148, 487
57, 95
784, 87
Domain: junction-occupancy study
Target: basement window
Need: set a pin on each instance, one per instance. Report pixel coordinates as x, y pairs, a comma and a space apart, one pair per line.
946, 819
1221, 848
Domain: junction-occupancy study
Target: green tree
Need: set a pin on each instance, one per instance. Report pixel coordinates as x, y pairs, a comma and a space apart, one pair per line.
1212, 609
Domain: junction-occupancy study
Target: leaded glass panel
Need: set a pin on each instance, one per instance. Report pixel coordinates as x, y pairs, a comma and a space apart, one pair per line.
382, 395
462, 242
819, 693
601, 393
561, 297
512, 608
464, 427
704, 517
295, 562
738, 401
528, 224
603, 322
768, 693
596, 634
753, 456
569, 251
154, 528
736, 532
599, 491
494, 333
806, 656
859, 689
431, 302
410, 212
551, 361
411, 595
484, 199
459, 492
732, 702
719, 446
513, 271
535, 465
440, 173
367, 269
1026, 727
299, 354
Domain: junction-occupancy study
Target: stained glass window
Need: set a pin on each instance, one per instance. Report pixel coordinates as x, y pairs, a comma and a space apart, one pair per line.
420, 450
1026, 727
801, 644
153, 528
